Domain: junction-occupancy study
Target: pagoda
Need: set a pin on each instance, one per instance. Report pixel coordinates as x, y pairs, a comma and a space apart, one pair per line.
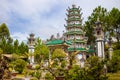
74, 31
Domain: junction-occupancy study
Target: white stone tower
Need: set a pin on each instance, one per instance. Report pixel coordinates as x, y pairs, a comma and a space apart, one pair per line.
31, 44
99, 34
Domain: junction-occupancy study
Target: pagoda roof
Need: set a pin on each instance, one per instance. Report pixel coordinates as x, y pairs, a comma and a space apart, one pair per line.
90, 51
74, 9
74, 25
82, 49
74, 19
73, 49
58, 42
74, 32
74, 14
77, 40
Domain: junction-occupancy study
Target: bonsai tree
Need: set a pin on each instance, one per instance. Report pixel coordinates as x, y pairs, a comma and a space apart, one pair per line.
18, 65
58, 64
93, 71
41, 53
48, 76
4, 71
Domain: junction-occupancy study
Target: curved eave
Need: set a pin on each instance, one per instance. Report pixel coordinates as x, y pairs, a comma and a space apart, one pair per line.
74, 49
77, 41
90, 51
74, 14
68, 20
74, 32
57, 42
74, 9
74, 25
58, 45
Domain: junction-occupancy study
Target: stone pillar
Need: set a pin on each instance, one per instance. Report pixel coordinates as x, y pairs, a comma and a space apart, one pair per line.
99, 34
31, 47
100, 48
110, 48
82, 60
110, 53
31, 54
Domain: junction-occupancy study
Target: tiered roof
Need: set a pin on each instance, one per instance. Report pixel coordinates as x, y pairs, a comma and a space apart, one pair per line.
74, 28
57, 42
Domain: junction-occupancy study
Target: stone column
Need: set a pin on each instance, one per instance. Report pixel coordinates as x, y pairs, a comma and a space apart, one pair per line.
100, 48
110, 53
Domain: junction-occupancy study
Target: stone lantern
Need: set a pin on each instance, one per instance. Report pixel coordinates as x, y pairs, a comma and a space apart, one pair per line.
31, 44
99, 34
110, 48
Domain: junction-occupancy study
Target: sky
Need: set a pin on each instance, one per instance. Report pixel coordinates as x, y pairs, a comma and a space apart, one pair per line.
44, 17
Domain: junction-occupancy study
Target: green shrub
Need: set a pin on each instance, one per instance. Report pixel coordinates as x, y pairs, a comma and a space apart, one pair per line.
48, 76
19, 65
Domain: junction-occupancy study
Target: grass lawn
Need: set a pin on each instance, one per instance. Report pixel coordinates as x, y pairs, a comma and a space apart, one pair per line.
114, 76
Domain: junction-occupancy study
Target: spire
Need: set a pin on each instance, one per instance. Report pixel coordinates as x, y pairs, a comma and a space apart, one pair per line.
58, 35
74, 6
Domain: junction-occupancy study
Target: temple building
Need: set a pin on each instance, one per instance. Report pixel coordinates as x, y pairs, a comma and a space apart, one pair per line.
75, 33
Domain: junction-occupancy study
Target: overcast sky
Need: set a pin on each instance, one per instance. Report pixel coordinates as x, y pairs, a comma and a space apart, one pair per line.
44, 17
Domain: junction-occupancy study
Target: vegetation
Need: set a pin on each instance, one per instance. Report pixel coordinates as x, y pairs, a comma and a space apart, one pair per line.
110, 23
93, 71
4, 71
55, 64
41, 52
19, 65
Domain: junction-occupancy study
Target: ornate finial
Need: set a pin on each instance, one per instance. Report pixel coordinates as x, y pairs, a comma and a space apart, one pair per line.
31, 34
58, 35
74, 6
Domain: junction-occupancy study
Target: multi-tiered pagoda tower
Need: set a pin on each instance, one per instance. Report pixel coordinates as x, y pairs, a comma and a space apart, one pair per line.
74, 30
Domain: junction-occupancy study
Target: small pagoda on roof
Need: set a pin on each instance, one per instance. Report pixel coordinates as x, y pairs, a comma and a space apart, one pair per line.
74, 29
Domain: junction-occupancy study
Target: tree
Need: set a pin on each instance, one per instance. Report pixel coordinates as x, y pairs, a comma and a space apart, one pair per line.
59, 58
5, 39
113, 22
16, 47
23, 48
19, 65
4, 71
58, 54
100, 13
41, 52
57, 65
93, 71
114, 64
4, 31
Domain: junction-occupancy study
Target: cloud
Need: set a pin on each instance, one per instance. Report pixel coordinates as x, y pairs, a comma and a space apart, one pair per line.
43, 17
20, 36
